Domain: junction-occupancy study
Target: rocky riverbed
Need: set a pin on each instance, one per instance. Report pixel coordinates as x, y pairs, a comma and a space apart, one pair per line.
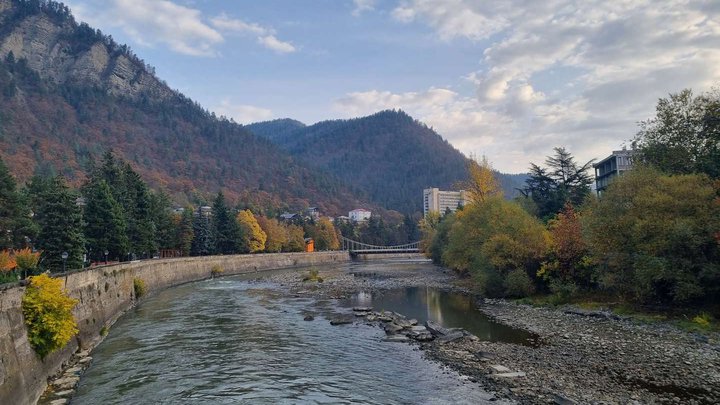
580, 357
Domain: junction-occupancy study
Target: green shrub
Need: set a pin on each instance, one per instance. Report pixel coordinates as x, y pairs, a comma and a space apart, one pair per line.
518, 284
47, 310
139, 287
104, 331
313, 275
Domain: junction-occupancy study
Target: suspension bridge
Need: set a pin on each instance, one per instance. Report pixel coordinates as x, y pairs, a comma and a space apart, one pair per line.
358, 248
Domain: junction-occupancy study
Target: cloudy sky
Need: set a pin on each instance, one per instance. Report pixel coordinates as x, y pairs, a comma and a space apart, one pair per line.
506, 79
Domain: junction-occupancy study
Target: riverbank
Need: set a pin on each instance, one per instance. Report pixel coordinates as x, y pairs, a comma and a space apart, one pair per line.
582, 357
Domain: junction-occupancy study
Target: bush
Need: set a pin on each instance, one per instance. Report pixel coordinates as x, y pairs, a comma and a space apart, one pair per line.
216, 271
313, 275
139, 287
653, 236
48, 314
518, 284
702, 320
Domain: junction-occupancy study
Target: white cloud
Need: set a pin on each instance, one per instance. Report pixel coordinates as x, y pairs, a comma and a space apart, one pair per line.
265, 35
362, 6
570, 73
182, 29
242, 113
270, 42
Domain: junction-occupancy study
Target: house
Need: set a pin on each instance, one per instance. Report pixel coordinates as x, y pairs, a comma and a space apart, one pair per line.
286, 216
359, 215
616, 164
436, 200
313, 212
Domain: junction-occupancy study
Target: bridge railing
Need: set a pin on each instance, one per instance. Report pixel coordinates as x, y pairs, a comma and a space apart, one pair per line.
353, 245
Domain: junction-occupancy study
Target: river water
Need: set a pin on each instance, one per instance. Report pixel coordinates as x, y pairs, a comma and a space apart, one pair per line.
232, 340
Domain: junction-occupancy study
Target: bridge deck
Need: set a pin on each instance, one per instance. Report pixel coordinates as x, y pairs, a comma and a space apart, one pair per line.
382, 251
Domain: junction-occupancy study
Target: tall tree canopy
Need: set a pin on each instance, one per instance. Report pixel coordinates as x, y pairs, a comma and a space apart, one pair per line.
684, 135
563, 181
226, 233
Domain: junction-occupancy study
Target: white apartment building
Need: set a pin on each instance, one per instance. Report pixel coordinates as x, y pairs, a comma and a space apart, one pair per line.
435, 200
359, 214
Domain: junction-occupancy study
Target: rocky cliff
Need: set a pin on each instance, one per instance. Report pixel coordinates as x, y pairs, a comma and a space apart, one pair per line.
63, 51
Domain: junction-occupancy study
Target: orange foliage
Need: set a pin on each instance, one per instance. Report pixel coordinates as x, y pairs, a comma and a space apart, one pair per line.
7, 261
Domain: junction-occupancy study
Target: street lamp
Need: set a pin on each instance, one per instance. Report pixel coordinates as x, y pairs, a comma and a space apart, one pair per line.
64, 257
106, 253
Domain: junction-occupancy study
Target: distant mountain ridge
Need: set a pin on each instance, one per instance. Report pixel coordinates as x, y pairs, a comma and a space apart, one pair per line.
68, 93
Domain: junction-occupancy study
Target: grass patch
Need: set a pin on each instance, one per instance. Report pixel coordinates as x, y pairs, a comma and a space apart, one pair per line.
313, 275
139, 287
216, 271
104, 331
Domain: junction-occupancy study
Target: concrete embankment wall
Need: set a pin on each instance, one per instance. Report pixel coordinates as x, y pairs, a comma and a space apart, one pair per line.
103, 294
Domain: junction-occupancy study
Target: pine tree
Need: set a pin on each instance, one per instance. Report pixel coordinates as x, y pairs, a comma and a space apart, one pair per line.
60, 222
15, 223
166, 234
202, 243
226, 233
141, 227
185, 232
105, 226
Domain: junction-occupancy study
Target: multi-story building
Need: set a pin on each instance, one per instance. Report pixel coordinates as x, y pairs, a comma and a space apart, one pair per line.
358, 215
613, 165
436, 200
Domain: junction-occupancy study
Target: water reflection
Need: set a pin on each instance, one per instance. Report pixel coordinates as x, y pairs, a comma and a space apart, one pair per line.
449, 309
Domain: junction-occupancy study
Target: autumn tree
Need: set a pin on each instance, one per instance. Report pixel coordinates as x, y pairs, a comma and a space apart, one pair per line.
568, 265
27, 261
654, 237
296, 239
277, 234
252, 237
482, 184
325, 235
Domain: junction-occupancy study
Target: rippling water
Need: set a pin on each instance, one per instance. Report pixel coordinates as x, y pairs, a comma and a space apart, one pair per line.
234, 341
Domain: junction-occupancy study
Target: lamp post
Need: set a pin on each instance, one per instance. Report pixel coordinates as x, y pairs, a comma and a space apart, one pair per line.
64, 257
106, 253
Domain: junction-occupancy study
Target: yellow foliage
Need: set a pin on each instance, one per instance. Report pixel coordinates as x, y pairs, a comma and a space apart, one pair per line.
482, 184
27, 259
139, 287
703, 320
253, 237
47, 310
7, 262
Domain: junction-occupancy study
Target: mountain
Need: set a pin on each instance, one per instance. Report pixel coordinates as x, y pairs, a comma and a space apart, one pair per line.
388, 156
68, 93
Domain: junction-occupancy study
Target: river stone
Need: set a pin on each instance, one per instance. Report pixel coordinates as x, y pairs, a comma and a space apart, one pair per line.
72, 371
341, 321
451, 337
66, 382
514, 374
66, 393
392, 328
371, 318
397, 338
61, 401
309, 318
500, 369
360, 314
424, 337
362, 309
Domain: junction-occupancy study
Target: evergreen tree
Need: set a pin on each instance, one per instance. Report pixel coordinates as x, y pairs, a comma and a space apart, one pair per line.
60, 222
105, 227
202, 243
166, 230
136, 202
226, 233
15, 222
185, 232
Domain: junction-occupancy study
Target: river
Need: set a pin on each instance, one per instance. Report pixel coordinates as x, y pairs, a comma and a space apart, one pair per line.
235, 340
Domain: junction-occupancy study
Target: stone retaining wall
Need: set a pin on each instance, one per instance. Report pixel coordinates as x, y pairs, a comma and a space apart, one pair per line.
104, 293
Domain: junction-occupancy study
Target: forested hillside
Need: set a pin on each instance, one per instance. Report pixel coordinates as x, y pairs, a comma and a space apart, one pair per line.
69, 93
388, 156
